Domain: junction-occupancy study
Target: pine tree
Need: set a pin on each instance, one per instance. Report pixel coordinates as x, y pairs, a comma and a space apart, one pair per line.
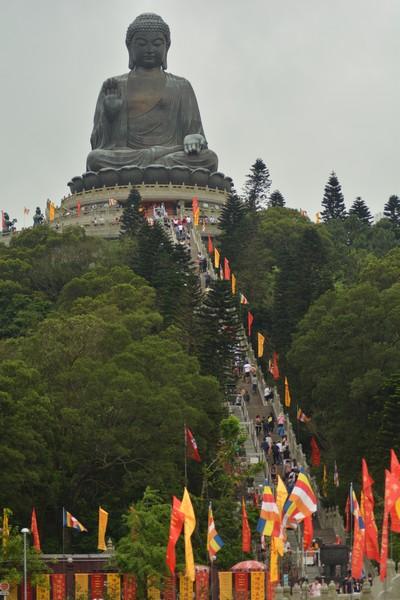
257, 186
276, 199
231, 214
361, 211
392, 210
333, 201
132, 216
219, 333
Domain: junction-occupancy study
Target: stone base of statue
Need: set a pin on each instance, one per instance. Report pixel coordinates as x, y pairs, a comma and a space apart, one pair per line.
99, 208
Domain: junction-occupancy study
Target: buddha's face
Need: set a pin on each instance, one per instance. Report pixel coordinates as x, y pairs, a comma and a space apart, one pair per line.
148, 50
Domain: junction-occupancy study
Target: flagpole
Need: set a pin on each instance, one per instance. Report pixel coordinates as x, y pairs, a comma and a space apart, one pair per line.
185, 450
351, 536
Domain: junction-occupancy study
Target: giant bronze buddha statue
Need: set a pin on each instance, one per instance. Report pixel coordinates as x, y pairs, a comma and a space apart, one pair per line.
148, 116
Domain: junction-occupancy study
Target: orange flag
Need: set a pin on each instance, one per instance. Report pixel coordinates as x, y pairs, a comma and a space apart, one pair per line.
210, 245
246, 534
175, 528
308, 532
395, 512
250, 320
367, 502
233, 284
35, 532
392, 495
274, 367
227, 270
357, 554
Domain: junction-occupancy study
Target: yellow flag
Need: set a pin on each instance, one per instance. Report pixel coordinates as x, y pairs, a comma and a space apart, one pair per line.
273, 565
52, 211
185, 587
233, 283
81, 585
190, 523
153, 592
225, 585
217, 258
260, 345
13, 595
103, 520
6, 527
257, 585
43, 591
324, 482
113, 586
281, 495
288, 399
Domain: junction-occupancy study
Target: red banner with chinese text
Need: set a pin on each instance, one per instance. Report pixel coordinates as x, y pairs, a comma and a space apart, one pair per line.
170, 588
241, 586
97, 581
202, 585
58, 586
129, 587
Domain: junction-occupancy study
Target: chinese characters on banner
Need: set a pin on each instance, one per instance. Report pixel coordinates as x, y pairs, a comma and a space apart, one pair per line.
58, 586
97, 581
241, 586
257, 586
185, 588
43, 591
202, 585
81, 585
113, 586
170, 588
129, 587
225, 585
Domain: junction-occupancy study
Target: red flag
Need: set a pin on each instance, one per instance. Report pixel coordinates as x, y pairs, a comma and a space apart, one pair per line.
394, 513
35, 532
227, 270
392, 494
210, 245
246, 533
274, 370
191, 446
347, 526
357, 554
78, 209
175, 528
250, 320
371, 531
308, 532
315, 453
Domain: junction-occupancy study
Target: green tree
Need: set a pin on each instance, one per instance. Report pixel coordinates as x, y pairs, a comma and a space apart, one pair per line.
132, 217
219, 327
11, 563
389, 426
257, 186
276, 199
392, 210
232, 214
361, 211
333, 200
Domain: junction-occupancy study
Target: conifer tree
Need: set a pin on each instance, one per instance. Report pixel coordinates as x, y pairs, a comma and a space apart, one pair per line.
333, 201
392, 210
276, 199
231, 214
257, 186
132, 215
361, 211
219, 332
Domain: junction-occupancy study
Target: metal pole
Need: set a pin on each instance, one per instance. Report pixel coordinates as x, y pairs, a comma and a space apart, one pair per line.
24, 532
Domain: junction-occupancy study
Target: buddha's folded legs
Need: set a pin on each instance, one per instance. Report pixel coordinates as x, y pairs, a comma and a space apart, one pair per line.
169, 157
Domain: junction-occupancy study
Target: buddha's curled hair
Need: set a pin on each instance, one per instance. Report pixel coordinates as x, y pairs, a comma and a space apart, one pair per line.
148, 22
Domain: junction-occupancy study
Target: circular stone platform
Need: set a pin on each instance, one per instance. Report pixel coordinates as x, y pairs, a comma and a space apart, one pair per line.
99, 210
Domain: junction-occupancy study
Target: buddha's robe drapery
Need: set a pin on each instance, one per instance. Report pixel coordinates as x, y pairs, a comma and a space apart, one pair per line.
153, 137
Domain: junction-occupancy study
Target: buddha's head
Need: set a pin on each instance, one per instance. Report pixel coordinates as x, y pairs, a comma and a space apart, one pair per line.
148, 40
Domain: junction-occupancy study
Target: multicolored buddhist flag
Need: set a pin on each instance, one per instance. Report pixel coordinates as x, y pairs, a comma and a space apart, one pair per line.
303, 496
269, 520
243, 299
214, 541
301, 416
70, 521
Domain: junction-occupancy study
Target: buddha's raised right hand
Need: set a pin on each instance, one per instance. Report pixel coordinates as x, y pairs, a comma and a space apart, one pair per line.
112, 98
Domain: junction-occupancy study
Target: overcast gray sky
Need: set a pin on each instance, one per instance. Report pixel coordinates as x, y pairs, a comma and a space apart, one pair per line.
307, 85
